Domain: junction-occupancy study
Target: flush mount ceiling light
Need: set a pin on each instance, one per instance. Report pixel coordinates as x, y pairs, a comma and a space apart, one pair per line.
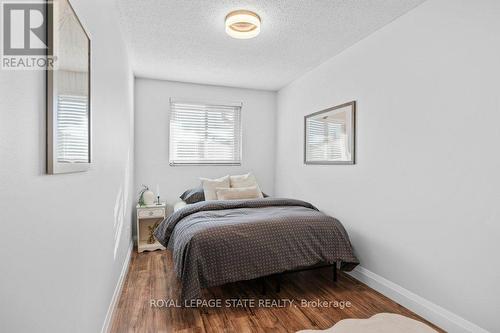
242, 24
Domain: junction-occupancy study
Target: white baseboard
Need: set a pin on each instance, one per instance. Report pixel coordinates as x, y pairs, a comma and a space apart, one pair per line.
118, 290
432, 312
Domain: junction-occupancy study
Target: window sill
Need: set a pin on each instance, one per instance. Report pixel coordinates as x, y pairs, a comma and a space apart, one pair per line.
205, 164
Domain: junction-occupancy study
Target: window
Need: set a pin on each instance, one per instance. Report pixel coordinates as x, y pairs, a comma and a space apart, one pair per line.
205, 134
72, 129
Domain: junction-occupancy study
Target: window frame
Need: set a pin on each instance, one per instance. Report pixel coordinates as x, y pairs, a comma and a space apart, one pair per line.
211, 104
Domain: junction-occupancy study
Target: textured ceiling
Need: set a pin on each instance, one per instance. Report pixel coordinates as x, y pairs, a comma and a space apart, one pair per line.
184, 40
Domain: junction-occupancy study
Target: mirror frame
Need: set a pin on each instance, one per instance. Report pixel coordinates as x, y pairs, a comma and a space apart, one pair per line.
352, 104
53, 166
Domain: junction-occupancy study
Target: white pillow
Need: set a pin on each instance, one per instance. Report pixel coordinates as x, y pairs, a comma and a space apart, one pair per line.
209, 186
243, 180
251, 192
180, 204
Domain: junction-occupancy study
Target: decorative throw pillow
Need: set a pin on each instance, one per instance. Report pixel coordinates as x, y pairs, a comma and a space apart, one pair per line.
179, 205
246, 180
251, 192
193, 195
210, 185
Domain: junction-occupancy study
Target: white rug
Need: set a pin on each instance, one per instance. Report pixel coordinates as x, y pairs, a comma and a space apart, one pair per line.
379, 323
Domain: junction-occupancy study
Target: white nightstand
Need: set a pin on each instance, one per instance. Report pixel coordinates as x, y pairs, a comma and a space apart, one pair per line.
148, 216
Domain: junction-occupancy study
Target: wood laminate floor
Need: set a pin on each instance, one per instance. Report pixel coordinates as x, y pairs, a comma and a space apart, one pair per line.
151, 277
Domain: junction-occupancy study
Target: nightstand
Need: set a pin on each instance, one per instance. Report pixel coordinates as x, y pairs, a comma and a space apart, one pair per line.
147, 216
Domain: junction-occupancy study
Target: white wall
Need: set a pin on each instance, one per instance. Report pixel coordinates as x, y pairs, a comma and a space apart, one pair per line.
152, 135
65, 237
422, 202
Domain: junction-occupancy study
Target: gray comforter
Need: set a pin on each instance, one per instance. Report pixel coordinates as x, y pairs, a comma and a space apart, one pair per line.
216, 242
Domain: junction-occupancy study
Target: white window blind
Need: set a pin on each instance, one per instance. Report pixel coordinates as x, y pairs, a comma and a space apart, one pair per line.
205, 133
72, 129
326, 140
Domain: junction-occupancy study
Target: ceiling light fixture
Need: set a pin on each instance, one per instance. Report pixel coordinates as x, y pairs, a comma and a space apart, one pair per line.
242, 24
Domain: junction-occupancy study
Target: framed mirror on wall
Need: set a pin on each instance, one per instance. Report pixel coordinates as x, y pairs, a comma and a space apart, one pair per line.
68, 91
329, 135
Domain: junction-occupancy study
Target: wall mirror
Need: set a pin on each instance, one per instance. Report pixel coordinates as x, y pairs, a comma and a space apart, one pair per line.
68, 91
329, 135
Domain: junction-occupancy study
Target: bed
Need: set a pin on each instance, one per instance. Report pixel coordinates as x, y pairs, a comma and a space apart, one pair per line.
217, 242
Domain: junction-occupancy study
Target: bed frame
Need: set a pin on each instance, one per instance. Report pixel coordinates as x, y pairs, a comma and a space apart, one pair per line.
278, 277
